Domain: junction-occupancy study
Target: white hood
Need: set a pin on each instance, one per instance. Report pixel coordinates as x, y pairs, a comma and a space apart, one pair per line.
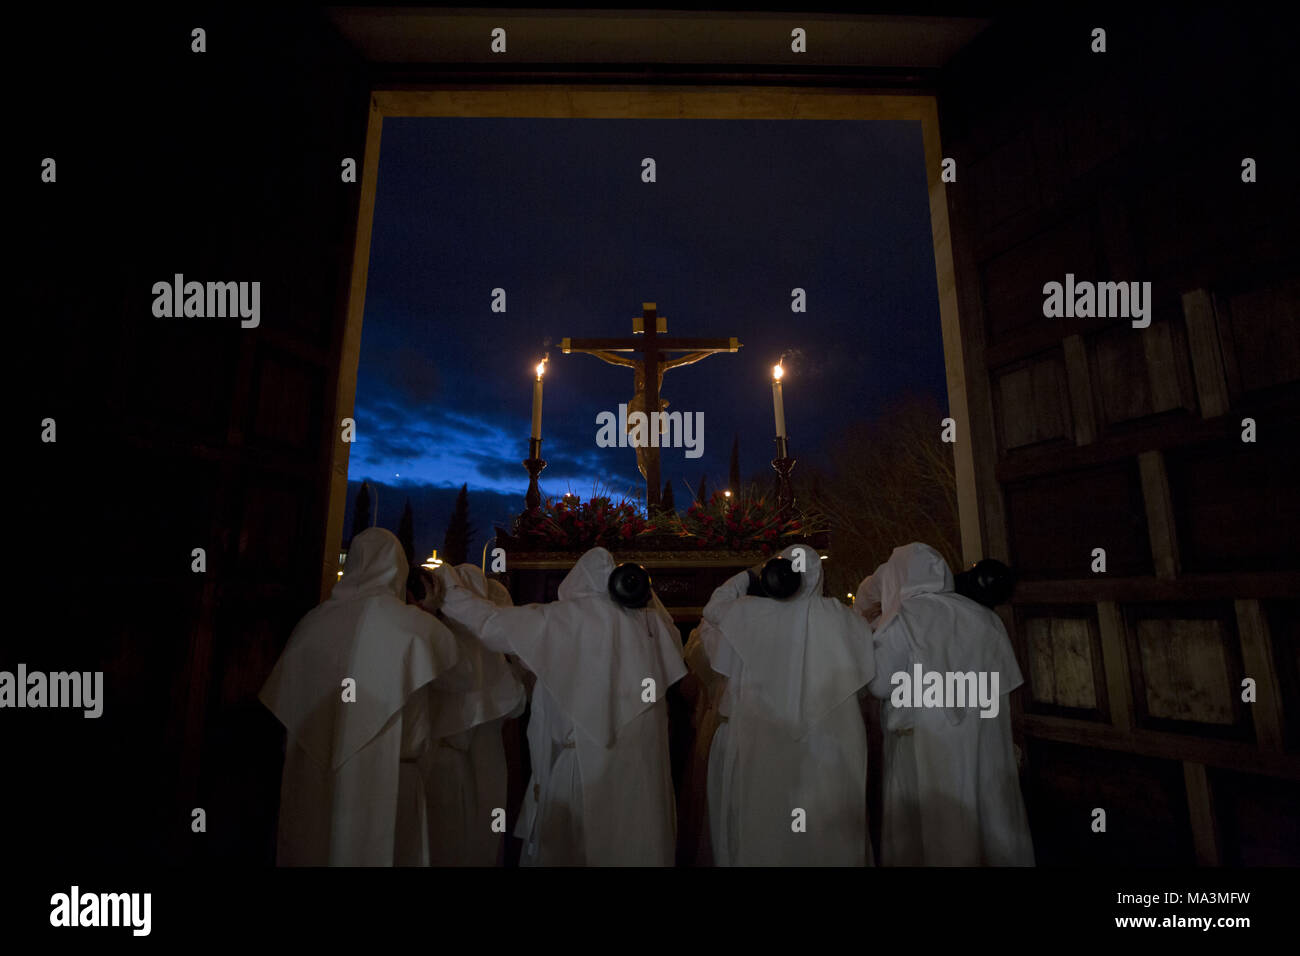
804, 655
364, 631
376, 564
912, 569
617, 648
947, 633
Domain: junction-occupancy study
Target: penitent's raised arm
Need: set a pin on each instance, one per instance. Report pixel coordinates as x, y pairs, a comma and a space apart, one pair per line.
727, 594
491, 623
893, 653
722, 659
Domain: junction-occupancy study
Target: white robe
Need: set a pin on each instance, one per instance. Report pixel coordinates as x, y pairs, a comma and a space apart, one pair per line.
601, 792
951, 789
465, 770
708, 721
351, 793
792, 736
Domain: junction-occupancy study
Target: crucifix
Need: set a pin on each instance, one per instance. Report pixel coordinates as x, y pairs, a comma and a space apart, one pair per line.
655, 349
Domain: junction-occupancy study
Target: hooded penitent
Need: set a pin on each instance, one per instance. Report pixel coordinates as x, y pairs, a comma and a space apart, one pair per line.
351, 690
601, 792
465, 773
787, 769
911, 570
951, 790
481, 687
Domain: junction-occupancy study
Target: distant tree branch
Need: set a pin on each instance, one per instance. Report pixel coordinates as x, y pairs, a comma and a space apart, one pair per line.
890, 481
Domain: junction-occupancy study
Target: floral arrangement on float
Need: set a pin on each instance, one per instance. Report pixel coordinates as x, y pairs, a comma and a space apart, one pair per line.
571, 524
745, 522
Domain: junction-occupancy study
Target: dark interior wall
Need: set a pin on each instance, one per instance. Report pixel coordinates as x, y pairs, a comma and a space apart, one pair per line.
1126, 165
174, 434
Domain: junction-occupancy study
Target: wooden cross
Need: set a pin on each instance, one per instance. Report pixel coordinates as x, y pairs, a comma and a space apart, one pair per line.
650, 367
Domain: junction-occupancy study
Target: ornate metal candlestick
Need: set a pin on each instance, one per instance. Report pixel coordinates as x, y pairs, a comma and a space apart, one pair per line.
534, 464
783, 464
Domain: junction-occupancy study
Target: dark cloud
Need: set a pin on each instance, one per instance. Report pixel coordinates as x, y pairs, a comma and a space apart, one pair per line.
495, 468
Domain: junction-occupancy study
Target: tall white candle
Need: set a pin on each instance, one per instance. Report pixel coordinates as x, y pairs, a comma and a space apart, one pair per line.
537, 401
778, 403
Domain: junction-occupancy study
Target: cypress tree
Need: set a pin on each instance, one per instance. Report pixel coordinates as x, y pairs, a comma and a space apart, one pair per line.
666, 501
735, 466
455, 543
406, 533
361, 511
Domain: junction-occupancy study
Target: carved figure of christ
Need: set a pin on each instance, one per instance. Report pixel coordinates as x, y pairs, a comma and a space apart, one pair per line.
638, 400
647, 387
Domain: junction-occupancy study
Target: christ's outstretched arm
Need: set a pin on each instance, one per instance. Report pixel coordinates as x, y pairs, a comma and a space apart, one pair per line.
688, 359
613, 358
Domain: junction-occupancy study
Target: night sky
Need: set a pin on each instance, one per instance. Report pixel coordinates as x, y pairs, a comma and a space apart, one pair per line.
555, 212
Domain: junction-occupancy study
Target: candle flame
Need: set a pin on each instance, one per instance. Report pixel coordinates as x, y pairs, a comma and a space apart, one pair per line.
541, 367
777, 372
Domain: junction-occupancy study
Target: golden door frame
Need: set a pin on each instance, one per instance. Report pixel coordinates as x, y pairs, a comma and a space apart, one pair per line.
654, 102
